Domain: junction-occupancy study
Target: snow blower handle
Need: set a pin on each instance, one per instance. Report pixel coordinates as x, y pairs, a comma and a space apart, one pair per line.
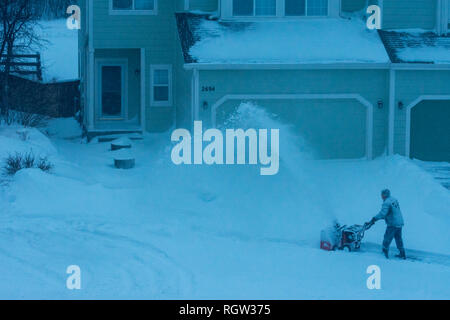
368, 225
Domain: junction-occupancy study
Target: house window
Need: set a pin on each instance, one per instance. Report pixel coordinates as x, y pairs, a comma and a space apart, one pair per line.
254, 7
137, 6
292, 8
161, 85
306, 7
317, 7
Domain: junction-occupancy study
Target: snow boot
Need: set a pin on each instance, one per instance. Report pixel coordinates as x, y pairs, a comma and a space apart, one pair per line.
386, 253
401, 255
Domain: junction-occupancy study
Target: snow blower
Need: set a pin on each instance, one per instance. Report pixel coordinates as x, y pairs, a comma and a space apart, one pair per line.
343, 237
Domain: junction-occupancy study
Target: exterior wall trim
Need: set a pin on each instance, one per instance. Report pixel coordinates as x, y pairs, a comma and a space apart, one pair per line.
318, 66
143, 90
355, 96
267, 66
442, 18
408, 117
391, 120
195, 94
419, 66
91, 67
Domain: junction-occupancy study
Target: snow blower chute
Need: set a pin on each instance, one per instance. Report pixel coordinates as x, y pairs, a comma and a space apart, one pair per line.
343, 237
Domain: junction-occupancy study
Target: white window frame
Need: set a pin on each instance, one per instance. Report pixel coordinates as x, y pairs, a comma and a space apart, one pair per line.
227, 11
254, 10
154, 67
442, 17
133, 11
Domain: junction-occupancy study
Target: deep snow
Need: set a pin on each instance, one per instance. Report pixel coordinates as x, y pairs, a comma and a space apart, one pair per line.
161, 231
296, 41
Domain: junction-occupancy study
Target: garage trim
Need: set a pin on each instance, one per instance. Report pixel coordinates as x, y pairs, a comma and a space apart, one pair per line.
408, 117
355, 96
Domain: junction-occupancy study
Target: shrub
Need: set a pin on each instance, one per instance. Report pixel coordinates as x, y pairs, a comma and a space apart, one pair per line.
26, 119
13, 164
19, 161
44, 164
28, 160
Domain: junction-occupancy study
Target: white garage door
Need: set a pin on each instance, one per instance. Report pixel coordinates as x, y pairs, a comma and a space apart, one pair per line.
334, 128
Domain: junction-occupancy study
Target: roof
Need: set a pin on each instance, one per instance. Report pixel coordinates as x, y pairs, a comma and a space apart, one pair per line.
207, 40
416, 46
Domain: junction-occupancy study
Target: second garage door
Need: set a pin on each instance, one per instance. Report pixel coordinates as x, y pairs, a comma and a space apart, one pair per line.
430, 131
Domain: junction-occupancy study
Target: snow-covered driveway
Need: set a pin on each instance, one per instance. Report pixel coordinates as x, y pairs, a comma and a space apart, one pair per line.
161, 231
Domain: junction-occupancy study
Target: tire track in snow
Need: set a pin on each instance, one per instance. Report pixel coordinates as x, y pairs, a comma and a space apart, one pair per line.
366, 247
142, 269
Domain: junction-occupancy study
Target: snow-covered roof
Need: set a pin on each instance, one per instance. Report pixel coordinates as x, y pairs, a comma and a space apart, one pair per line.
416, 46
305, 41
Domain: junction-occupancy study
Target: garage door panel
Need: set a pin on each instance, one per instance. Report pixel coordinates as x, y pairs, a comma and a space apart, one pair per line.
333, 129
430, 131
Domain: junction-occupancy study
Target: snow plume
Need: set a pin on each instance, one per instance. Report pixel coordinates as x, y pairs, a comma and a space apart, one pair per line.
293, 148
294, 189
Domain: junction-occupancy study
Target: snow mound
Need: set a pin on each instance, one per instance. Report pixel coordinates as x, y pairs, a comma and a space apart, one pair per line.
435, 54
212, 232
18, 139
64, 128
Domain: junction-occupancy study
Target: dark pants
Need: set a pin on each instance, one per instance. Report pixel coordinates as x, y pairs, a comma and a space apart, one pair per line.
391, 233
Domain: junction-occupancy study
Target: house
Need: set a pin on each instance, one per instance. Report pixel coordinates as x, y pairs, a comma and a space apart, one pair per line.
351, 92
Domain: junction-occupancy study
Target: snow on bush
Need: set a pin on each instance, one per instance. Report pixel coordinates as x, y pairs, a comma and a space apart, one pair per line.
16, 138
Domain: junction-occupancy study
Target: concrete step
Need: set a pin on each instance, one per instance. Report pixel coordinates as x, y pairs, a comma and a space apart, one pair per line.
112, 137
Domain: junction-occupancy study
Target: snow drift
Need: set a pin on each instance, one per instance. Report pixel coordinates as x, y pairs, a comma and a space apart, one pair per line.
166, 231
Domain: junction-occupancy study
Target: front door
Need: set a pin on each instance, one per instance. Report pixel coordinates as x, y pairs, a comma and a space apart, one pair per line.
112, 91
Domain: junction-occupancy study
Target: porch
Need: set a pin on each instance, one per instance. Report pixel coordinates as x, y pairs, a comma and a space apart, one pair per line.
116, 92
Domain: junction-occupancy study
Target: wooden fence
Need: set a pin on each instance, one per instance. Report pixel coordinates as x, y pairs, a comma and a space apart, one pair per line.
24, 64
56, 99
28, 94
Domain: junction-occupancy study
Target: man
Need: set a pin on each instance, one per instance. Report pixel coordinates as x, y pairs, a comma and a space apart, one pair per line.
390, 212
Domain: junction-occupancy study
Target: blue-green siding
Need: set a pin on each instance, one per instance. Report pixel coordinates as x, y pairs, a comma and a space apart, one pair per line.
409, 14
154, 33
203, 5
352, 5
372, 85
